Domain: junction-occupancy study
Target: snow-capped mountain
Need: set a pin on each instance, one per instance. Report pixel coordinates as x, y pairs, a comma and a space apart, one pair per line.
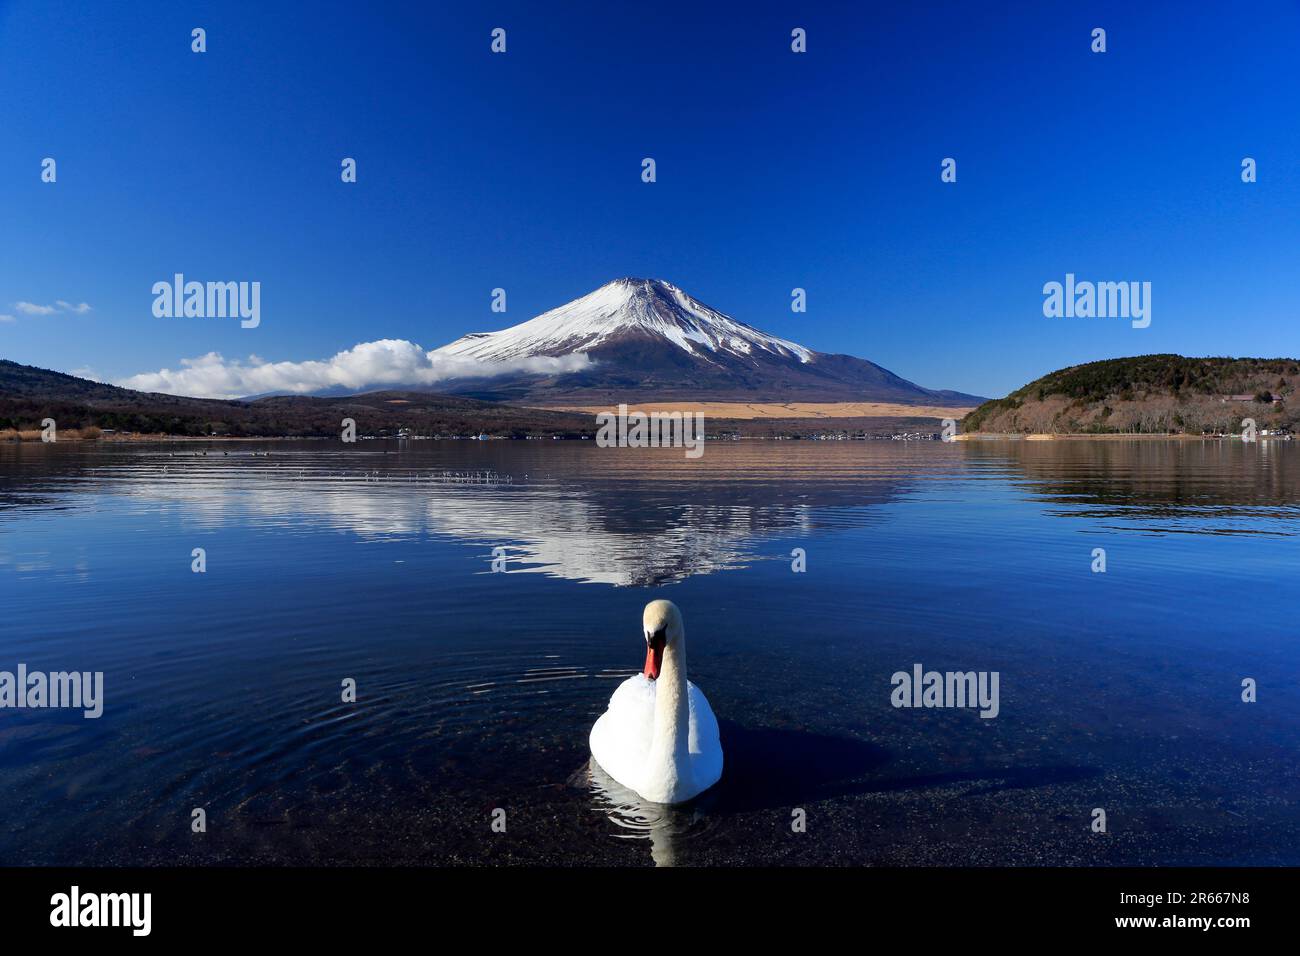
648, 308
646, 338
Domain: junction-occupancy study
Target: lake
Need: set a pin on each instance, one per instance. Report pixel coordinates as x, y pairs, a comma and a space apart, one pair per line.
476, 689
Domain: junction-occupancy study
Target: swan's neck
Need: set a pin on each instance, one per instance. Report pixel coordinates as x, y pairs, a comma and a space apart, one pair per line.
670, 739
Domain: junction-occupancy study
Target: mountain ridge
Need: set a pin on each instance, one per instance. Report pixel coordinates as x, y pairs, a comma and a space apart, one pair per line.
29, 394
648, 339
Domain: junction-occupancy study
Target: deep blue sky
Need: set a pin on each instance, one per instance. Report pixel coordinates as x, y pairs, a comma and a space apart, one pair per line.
775, 170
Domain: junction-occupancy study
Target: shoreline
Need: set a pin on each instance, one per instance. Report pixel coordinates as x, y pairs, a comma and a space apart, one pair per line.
1105, 436
137, 438
777, 411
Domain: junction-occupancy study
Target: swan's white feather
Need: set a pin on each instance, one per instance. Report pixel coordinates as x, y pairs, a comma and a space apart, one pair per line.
620, 739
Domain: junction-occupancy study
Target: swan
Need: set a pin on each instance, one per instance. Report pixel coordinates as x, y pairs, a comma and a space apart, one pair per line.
659, 736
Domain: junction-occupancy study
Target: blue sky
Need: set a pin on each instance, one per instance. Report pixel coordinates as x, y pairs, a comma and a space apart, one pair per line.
775, 170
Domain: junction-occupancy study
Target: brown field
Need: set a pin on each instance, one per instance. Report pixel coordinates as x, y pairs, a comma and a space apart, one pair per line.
756, 410
90, 433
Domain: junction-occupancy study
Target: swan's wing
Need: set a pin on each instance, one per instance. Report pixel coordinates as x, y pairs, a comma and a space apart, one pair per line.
634, 695
620, 740
704, 726
705, 742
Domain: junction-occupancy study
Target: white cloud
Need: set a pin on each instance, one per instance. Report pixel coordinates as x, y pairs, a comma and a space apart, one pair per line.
369, 365
32, 308
7, 318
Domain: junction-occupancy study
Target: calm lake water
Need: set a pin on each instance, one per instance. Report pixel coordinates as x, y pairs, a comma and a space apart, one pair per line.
476, 690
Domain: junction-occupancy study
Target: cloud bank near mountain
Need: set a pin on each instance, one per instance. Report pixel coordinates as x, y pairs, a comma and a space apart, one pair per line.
631, 336
368, 365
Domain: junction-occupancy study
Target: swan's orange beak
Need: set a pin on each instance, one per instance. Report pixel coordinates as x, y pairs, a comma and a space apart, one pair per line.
654, 656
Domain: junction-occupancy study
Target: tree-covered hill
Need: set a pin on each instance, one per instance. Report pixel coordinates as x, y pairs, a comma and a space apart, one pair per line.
1149, 394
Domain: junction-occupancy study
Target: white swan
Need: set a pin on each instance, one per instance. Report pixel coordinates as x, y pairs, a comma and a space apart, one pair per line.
659, 736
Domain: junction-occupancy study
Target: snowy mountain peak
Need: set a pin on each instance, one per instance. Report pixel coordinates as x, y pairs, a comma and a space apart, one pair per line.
627, 309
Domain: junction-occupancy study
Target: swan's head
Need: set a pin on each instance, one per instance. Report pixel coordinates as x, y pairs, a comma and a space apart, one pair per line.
662, 624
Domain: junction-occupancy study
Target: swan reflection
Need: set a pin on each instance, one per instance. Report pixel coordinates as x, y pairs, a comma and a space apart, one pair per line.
665, 827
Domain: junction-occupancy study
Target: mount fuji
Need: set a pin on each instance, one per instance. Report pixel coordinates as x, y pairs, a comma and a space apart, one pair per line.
647, 339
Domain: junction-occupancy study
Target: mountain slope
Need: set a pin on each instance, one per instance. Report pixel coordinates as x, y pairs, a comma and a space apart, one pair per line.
646, 339
29, 394
1148, 394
